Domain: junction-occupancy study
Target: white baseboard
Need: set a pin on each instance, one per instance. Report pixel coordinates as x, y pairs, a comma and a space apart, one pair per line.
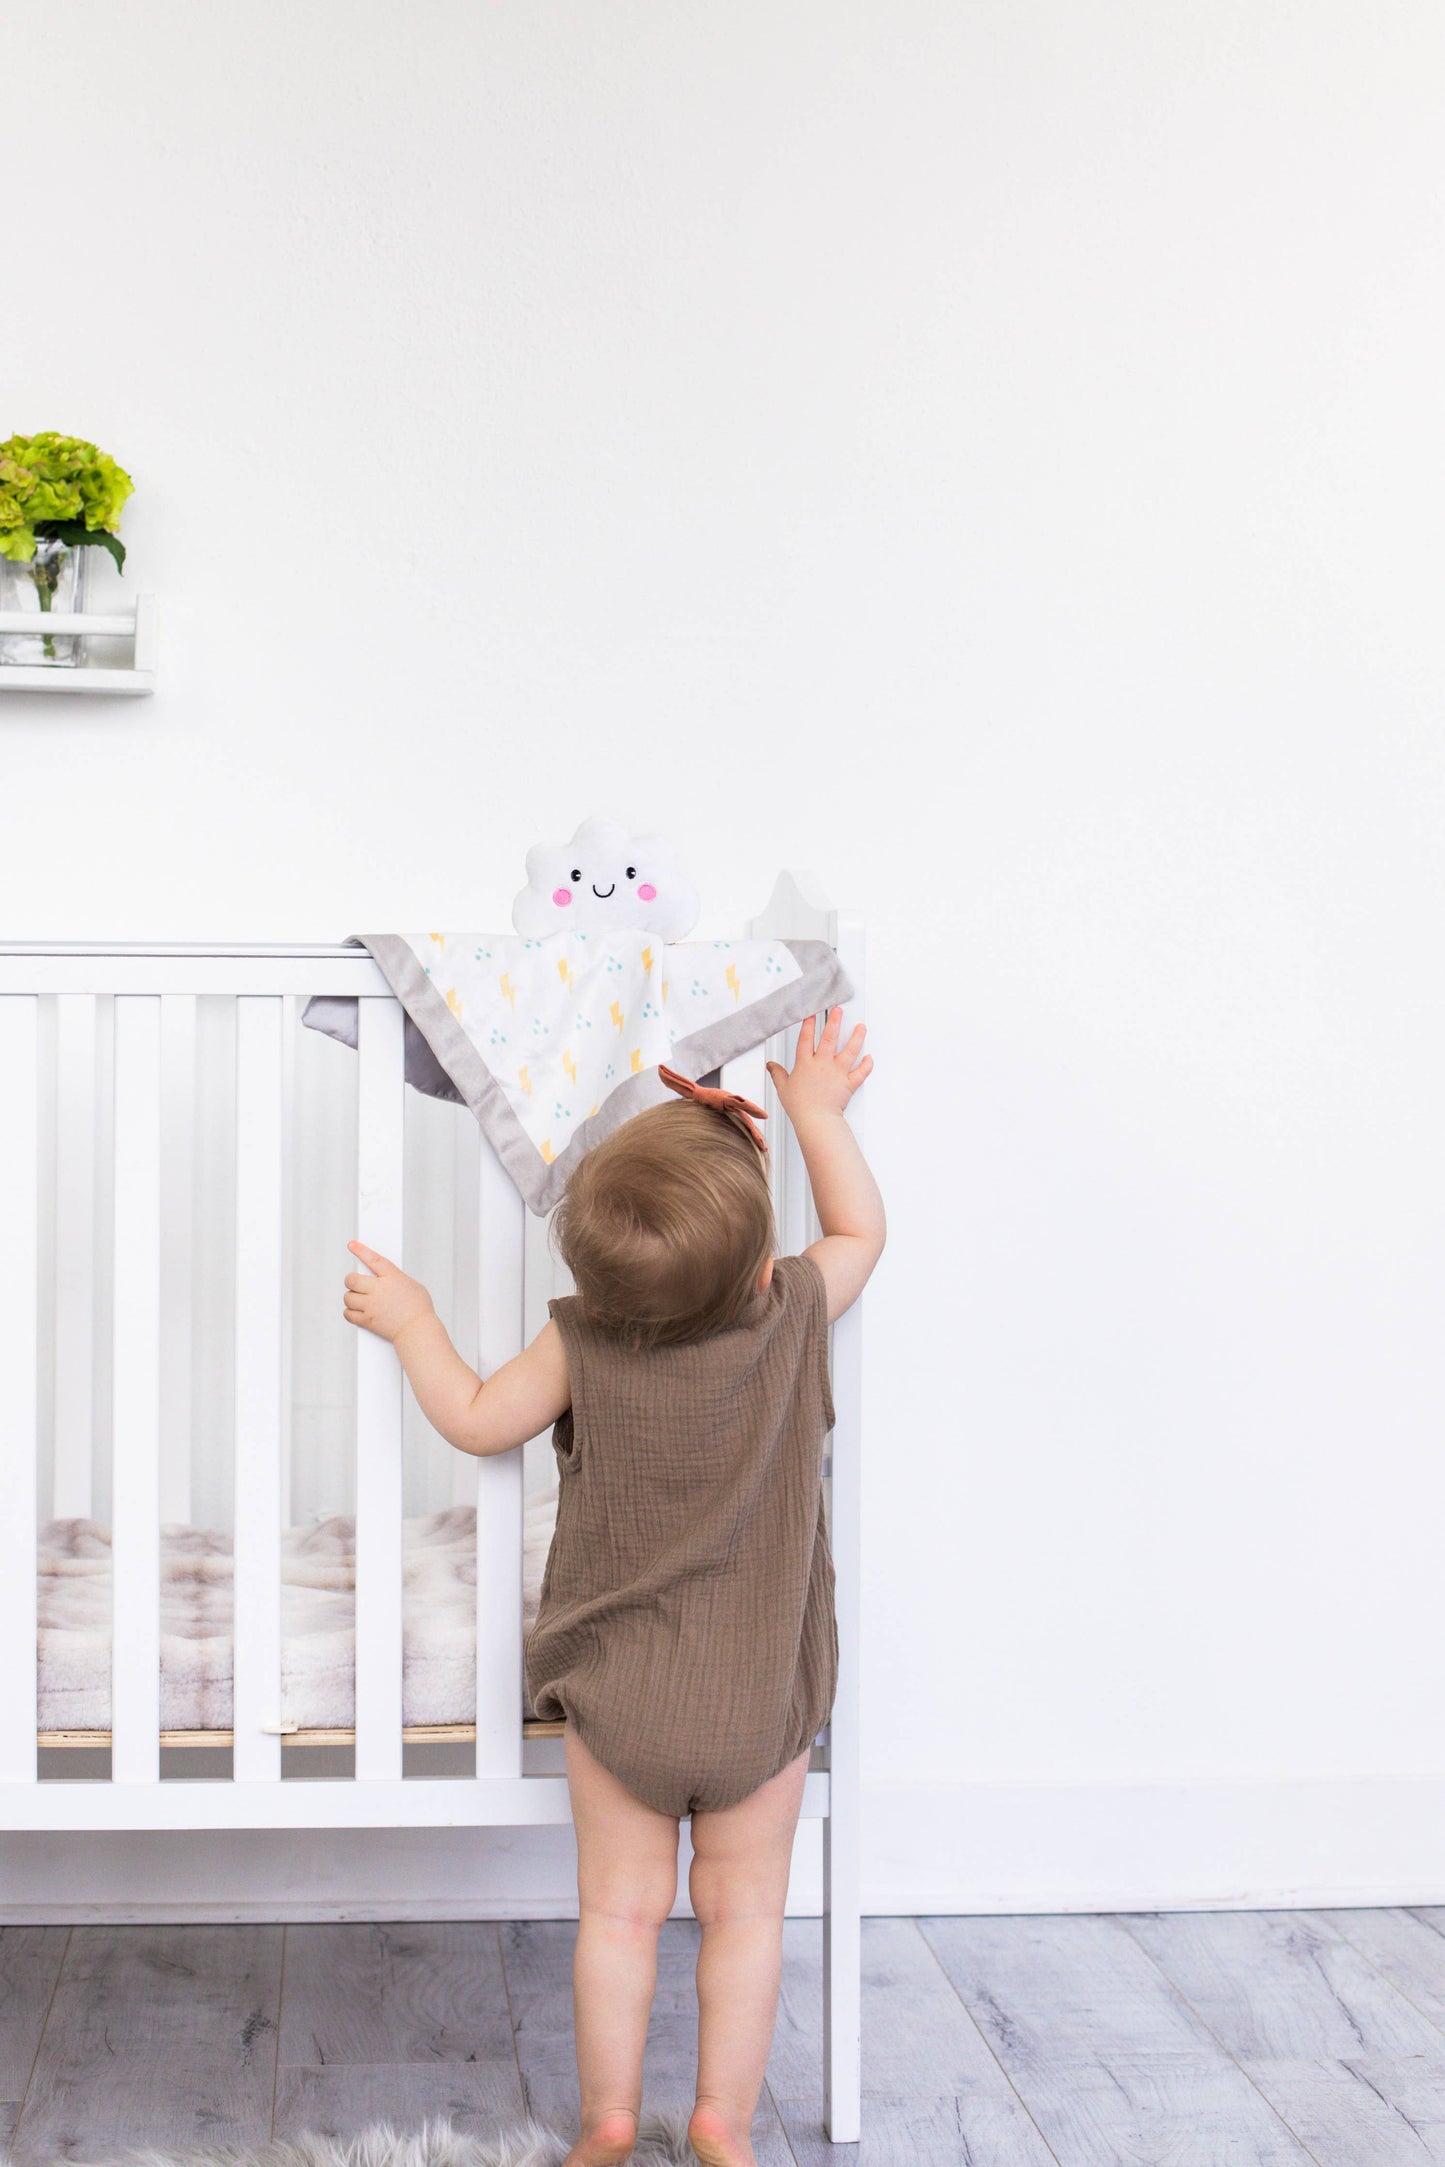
984, 1848
999, 1848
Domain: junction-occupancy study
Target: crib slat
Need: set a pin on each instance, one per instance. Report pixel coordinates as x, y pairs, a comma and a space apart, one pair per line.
75, 1123
467, 1146
135, 1481
260, 1284
748, 1076
793, 1199
289, 1025
18, 1262
379, 1164
178, 1119
502, 1232
539, 1271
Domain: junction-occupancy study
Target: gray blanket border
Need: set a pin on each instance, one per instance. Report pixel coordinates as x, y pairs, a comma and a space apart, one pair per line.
823, 983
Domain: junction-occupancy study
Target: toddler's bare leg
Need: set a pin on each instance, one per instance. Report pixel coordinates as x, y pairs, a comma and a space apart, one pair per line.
626, 1882
739, 1883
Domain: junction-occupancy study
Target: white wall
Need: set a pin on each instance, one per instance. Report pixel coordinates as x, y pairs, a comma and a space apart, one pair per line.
992, 455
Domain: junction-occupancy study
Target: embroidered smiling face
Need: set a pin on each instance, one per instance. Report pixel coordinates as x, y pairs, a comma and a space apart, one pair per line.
608, 879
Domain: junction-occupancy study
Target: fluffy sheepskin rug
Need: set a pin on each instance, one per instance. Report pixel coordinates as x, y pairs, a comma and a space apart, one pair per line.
661, 2142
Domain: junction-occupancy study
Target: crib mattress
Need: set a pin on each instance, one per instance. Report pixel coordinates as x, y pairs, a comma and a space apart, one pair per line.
318, 1605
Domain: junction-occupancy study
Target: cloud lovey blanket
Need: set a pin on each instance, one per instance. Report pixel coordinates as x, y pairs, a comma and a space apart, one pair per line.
553, 1041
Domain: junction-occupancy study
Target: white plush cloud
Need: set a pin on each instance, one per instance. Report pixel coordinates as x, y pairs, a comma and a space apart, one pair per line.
609, 879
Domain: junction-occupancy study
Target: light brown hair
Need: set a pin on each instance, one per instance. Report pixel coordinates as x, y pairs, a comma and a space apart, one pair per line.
666, 1226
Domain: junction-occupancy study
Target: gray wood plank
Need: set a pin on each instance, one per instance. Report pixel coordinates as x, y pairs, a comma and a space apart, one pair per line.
1062, 1988
162, 2035
972, 2129
30, 1958
933, 2091
919, 2042
1371, 2111
1408, 1947
1105, 2054
373, 1994
1164, 2108
1282, 1985
345, 2098
538, 1960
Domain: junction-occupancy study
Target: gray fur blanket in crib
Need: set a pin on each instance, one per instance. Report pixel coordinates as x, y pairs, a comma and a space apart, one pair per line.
318, 1601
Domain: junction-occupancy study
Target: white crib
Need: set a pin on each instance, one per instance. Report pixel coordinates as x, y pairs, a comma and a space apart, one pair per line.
124, 1223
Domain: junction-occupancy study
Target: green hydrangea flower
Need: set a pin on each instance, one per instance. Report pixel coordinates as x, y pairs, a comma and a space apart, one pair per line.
49, 482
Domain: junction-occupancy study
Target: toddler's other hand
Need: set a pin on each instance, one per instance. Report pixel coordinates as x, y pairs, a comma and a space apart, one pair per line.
823, 1077
382, 1298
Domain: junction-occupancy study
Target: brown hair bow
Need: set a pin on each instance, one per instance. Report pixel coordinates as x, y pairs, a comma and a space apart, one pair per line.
727, 1103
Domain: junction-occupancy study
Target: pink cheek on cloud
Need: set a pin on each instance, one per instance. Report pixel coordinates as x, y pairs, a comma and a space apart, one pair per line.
561, 897
647, 893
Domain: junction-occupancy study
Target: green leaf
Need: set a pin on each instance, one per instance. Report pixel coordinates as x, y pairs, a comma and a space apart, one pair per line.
77, 535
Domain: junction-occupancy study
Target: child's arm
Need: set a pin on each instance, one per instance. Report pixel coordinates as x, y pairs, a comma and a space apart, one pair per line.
814, 1096
524, 1396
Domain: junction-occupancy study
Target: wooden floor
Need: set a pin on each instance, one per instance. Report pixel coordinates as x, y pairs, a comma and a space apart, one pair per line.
1197, 2039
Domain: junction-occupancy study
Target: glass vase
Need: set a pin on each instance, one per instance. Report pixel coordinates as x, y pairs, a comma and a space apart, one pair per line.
53, 580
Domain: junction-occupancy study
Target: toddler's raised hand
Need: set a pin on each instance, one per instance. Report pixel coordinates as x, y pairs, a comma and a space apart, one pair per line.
382, 1299
824, 1076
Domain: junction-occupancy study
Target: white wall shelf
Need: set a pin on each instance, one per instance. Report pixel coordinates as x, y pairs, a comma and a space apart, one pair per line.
139, 628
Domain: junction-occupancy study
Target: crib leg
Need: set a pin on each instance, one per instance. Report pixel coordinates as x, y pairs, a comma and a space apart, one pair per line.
842, 1967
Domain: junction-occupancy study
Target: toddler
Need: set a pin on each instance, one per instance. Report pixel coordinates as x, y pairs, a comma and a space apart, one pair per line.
686, 1630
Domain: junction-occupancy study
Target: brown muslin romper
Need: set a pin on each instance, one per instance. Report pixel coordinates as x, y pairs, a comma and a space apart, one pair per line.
686, 1627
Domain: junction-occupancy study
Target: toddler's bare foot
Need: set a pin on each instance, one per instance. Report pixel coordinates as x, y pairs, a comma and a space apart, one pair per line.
607, 2143
717, 2140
